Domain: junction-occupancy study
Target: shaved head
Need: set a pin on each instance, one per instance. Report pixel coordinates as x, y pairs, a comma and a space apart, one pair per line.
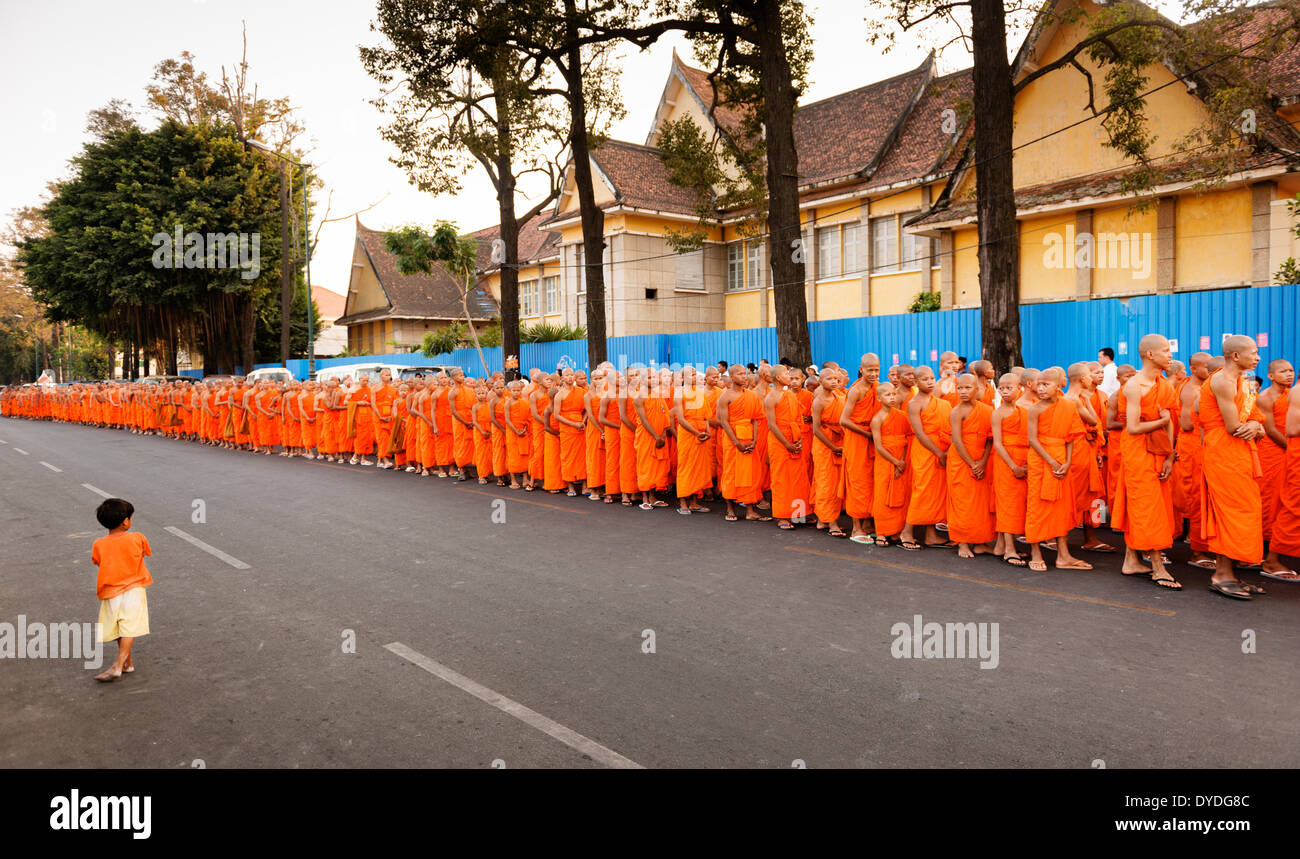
1077, 370
1237, 343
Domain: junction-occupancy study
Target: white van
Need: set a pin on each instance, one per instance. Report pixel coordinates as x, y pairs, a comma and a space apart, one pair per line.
270, 374
354, 371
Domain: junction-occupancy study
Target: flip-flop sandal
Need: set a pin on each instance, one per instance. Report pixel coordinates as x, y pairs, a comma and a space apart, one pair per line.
646, 505
683, 512
883, 542
1104, 548
661, 504
627, 503
1231, 589
1136, 573
909, 545
1077, 565
699, 510
571, 494
859, 538
947, 544
1038, 566
1014, 560
731, 517
760, 519
1253, 589
1282, 575
529, 488
609, 500
1169, 583
1204, 564
785, 526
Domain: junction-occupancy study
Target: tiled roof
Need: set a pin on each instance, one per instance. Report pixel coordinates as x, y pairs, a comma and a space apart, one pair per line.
421, 296
640, 178
842, 135
923, 146
534, 243
728, 118
330, 303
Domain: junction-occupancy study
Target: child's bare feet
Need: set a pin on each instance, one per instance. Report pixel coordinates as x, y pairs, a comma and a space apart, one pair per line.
108, 676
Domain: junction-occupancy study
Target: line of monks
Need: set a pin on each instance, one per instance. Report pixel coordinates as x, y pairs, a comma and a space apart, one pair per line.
1021, 459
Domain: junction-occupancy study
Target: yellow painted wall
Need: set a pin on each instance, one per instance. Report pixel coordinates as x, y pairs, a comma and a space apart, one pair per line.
839, 212
1043, 275
369, 294
837, 299
1212, 239
743, 310
907, 201
1140, 274
1060, 99
966, 268
892, 293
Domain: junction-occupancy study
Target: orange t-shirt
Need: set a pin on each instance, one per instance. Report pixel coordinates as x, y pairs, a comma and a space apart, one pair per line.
120, 558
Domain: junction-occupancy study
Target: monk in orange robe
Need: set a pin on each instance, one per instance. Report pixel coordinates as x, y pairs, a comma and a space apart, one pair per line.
570, 414
461, 400
828, 451
739, 410
628, 425
653, 454
986, 386
593, 436
553, 480
1187, 468
1231, 508
1115, 423
1102, 445
481, 414
497, 400
803, 392
1272, 404
538, 402
412, 424
1144, 507
1286, 528
928, 415
1054, 431
1085, 475
786, 454
381, 407
519, 433
860, 406
946, 384
970, 512
690, 416
1010, 430
363, 443
604, 413
891, 434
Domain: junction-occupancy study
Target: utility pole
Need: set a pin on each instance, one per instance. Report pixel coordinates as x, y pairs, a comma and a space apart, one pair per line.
286, 268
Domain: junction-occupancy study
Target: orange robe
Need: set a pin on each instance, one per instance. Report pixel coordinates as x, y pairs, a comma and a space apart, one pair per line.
519, 447
384, 396
858, 458
627, 479
1272, 463
828, 469
1102, 444
694, 457
537, 449
462, 436
790, 489
573, 440
1187, 484
554, 476
892, 492
805, 399
929, 501
364, 442
1049, 509
1286, 527
1009, 491
741, 475
613, 445
1230, 502
652, 463
1085, 478
1144, 504
482, 446
499, 457
970, 501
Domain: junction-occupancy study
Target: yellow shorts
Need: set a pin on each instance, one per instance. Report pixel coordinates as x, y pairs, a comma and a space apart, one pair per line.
124, 616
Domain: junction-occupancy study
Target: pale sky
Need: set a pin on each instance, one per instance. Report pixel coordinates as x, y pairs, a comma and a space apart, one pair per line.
61, 59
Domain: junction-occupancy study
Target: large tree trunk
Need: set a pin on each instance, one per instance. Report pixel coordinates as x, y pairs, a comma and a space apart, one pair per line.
593, 218
995, 205
783, 189
509, 229
246, 331
286, 269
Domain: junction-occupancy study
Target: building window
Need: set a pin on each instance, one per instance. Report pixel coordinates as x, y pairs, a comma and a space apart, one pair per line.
528, 298
884, 243
552, 291
735, 266
828, 252
753, 273
852, 260
917, 251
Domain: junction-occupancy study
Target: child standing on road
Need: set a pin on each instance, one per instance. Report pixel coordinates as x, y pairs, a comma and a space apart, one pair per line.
123, 612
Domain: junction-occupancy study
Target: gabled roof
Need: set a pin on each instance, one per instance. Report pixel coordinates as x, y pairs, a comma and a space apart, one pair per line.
848, 135
419, 296
637, 178
922, 147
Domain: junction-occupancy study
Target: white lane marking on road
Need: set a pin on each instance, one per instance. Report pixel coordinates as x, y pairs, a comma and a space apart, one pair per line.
2, 441
211, 550
95, 489
570, 738
51, 467
20, 450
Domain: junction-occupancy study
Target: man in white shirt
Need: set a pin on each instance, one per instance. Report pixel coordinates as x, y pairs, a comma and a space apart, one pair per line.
1109, 383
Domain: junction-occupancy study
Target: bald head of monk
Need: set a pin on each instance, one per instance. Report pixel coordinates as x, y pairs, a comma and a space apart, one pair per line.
1009, 388
907, 375
1097, 372
1077, 373
893, 375
887, 393
1241, 350
1049, 382
1177, 371
1281, 373
738, 374
1154, 350
1216, 364
949, 364
1124, 372
967, 385
923, 378
1199, 365
869, 368
982, 369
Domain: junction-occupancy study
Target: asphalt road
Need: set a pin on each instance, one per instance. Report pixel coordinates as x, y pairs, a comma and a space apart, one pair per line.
769, 648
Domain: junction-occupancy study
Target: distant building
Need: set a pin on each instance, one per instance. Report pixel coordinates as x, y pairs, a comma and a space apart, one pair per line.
332, 338
388, 312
